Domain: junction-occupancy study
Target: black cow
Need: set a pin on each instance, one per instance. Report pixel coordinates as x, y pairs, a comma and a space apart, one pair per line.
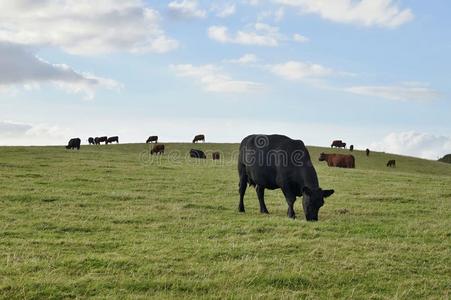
351, 148
198, 138
338, 144
276, 161
74, 144
152, 138
101, 139
367, 151
112, 139
91, 141
391, 163
197, 154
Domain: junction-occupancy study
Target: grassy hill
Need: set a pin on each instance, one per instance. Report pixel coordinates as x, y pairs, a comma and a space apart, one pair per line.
113, 222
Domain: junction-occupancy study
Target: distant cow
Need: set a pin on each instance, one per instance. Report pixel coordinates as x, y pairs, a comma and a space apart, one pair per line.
367, 152
338, 144
157, 149
112, 139
216, 155
199, 138
351, 148
338, 160
391, 163
101, 139
152, 138
91, 141
197, 154
74, 143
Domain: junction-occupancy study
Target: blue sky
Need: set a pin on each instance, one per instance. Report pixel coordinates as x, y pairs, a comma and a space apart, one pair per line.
375, 73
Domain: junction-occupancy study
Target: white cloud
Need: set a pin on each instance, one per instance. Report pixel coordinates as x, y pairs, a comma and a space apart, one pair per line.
225, 10
212, 79
260, 34
275, 15
408, 91
385, 13
17, 133
20, 67
252, 2
186, 9
413, 143
79, 27
245, 59
279, 14
300, 38
298, 70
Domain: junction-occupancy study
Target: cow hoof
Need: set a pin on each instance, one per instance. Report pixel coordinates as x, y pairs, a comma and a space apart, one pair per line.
264, 211
241, 209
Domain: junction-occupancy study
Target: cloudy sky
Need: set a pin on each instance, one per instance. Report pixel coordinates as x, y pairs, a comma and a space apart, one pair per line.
375, 73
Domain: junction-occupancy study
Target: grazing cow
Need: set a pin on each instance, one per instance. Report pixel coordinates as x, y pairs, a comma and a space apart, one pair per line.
367, 152
197, 154
276, 161
199, 138
74, 143
338, 160
157, 149
101, 139
216, 155
391, 163
112, 139
351, 148
91, 141
152, 138
338, 144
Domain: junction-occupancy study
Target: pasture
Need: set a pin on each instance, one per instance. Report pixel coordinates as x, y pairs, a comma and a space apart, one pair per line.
111, 221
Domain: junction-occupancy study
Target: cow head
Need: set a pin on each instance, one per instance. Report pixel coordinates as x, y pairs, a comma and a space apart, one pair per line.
322, 157
312, 202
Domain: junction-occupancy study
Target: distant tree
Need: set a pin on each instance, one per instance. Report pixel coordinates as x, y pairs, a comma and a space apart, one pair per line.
446, 158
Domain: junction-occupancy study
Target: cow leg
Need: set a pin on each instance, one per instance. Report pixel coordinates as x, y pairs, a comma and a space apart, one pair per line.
290, 198
242, 188
261, 198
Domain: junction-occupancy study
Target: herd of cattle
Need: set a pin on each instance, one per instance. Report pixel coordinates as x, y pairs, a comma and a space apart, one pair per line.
75, 143
343, 160
260, 166
332, 160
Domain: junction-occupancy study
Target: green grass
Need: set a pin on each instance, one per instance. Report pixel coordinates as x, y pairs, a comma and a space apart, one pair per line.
112, 222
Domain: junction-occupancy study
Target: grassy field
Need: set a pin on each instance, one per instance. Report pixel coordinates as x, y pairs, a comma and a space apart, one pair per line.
113, 222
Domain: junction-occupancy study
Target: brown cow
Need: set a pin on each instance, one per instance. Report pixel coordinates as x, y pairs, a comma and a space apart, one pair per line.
157, 149
338, 160
198, 138
216, 155
338, 144
367, 152
152, 138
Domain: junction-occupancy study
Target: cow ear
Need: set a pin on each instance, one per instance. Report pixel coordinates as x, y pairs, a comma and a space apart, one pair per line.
307, 191
327, 193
